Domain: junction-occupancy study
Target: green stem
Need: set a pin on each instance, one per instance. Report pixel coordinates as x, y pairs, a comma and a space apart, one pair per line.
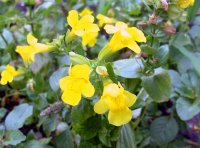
137, 122
30, 18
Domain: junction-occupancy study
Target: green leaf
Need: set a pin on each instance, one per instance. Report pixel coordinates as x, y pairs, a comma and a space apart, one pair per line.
111, 73
2, 112
64, 139
126, 139
2, 131
49, 125
82, 112
104, 137
14, 137
33, 144
88, 129
193, 10
162, 54
128, 68
163, 130
54, 79
158, 85
17, 116
187, 109
191, 56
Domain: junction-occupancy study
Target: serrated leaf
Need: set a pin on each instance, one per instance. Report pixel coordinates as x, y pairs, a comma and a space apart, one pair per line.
158, 85
82, 112
18, 116
163, 130
61, 141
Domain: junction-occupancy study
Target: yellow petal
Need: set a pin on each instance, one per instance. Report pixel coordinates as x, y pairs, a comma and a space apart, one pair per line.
134, 46
115, 43
85, 11
72, 18
100, 107
89, 38
71, 97
104, 20
112, 90
66, 83
31, 39
88, 89
39, 48
80, 71
6, 77
137, 34
120, 117
27, 53
110, 29
121, 25
130, 98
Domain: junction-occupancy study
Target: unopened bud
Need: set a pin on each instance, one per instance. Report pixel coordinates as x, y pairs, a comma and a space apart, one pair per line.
30, 85
169, 28
78, 59
142, 24
153, 19
102, 71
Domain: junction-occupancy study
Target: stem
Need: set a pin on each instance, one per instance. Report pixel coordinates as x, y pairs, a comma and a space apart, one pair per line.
30, 18
4, 39
137, 122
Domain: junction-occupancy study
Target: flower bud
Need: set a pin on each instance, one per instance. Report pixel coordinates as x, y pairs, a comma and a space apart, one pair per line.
153, 19
102, 71
169, 28
141, 24
164, 4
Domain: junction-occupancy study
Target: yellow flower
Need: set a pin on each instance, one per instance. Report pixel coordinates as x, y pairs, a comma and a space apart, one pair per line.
28, 52
83, 27
104, 20
8, 74
75, 84
124, 36
185, 3
117, 101
85, 11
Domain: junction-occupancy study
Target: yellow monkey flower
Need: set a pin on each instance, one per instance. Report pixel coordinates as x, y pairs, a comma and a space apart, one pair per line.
185, 3
28, 52
124, 36
8, 75
75, 84
86, 11
83, 27
117, 101
104, 20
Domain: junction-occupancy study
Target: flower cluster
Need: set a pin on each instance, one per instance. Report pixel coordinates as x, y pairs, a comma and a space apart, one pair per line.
83, 27
185, 3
